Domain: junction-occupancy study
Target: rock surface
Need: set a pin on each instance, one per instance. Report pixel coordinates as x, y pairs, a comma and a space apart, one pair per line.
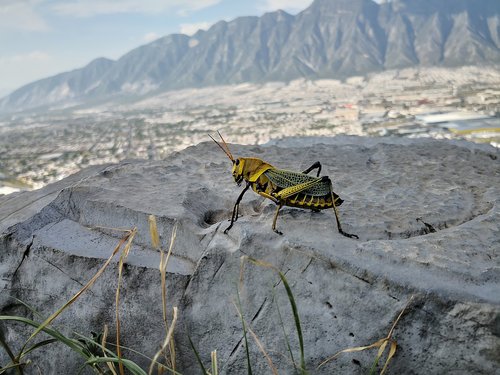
427, 213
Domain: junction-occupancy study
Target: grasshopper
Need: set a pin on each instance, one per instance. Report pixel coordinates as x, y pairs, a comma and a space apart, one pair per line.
283, 187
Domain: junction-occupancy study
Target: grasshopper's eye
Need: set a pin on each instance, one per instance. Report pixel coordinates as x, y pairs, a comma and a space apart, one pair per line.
237, 161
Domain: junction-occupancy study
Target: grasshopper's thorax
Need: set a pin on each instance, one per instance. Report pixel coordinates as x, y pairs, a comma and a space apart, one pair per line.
249, 169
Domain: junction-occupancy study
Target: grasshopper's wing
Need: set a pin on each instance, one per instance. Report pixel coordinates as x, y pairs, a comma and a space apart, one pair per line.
295, 182
292, 190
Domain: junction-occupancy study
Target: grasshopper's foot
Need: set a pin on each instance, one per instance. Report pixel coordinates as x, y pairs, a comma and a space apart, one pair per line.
277, 231
348, 235
228, 228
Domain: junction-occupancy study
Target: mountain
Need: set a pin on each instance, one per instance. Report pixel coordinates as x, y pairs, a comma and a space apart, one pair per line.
329, 39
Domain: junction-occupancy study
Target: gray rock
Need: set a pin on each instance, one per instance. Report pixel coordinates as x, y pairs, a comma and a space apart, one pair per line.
427, 214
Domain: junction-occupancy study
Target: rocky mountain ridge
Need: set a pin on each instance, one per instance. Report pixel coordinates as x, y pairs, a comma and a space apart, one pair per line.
329, 39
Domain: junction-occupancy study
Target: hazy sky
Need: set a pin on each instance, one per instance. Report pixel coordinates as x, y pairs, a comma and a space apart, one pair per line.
39, 38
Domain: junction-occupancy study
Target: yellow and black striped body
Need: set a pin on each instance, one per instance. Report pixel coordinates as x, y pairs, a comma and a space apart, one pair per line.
285, 188
318, 197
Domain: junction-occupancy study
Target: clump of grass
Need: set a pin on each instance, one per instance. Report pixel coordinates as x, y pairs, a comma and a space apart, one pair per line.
169, 341
93, 349
295, 313
78, 347
380, 344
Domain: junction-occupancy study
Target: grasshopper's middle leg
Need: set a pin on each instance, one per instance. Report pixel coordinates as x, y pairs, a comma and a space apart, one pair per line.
276, 218
234, 216
314, 166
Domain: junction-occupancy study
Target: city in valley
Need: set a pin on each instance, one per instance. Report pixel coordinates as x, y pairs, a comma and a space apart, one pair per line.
39, 148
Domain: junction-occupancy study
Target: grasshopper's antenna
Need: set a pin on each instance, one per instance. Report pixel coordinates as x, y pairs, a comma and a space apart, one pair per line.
225, 145
225, 149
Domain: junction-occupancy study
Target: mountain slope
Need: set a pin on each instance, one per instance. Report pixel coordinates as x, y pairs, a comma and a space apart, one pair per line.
329, 39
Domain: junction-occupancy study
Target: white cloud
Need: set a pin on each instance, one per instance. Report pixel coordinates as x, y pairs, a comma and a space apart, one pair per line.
21, 15
19, 69
34, 56
191, 28
287, 5
149, 37
89, 8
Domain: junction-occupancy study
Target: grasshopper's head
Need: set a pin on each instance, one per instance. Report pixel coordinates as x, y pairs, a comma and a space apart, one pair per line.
239, 170
248, 169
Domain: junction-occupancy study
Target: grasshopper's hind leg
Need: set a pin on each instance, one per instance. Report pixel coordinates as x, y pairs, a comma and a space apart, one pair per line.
314, 166
234, 216
338, 221
278, 208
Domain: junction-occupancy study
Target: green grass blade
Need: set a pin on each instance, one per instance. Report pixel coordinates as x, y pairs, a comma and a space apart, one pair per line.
249, 365
289, 347
17, 366
30, 308
377, 358
197, 355
297, 322
9, 352
129, 365
39, 345
73, 344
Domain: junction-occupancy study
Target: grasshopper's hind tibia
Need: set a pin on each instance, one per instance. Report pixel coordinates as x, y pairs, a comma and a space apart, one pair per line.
314, 166
234, 216
339, 227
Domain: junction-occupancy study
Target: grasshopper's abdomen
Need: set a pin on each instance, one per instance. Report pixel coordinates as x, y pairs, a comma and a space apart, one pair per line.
317, 197
313, 202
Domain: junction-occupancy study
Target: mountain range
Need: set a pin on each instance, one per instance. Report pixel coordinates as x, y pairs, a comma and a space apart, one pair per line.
329, 39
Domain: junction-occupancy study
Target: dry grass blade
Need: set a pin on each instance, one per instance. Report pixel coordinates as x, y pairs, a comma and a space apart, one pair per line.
352, 350
263, 351
111, 365
153, 231
80, 292
399, 317
381, 344
257, 262
381, 349
215, 369
392, 351
163, 272
123, 257
168, 338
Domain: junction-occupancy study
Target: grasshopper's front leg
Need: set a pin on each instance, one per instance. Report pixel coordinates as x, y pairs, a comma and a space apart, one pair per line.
234, 216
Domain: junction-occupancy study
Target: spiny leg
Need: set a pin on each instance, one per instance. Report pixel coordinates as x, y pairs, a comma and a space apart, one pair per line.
314, 166
337, 218
234, 216
276, 217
